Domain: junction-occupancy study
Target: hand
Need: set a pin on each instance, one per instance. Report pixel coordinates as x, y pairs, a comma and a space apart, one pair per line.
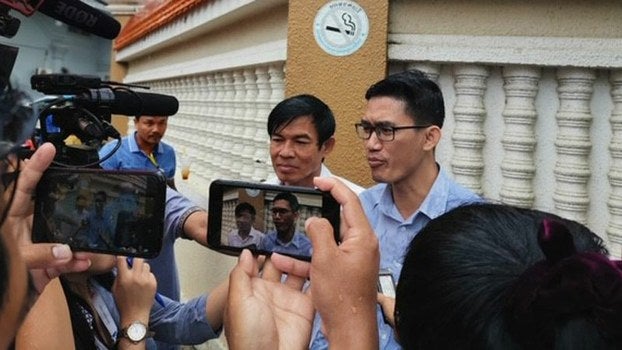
45, 260
263, 313
388, 308
343, 277
134, 290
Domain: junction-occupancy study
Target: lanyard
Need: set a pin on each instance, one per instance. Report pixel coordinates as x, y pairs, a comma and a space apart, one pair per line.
153, 160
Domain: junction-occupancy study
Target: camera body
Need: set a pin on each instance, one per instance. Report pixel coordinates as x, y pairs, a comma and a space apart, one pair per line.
229, 200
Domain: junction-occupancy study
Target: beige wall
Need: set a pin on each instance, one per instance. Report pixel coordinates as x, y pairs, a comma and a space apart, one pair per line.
341, 82
118, 71
539, 18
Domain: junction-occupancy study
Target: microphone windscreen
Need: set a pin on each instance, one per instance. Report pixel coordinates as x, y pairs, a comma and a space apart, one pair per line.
80, 15
143, 103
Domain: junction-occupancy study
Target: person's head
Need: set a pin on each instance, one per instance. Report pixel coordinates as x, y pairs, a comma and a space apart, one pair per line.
402, 125
150, 129
285, 212
82, 202
490, 276
100, 200
244, 217
301, 130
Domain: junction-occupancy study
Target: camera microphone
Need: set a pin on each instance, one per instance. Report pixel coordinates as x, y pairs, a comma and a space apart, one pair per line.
82, 16
128, 102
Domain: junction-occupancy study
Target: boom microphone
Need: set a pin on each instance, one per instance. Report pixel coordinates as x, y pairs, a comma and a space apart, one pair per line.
80, 15
131, 103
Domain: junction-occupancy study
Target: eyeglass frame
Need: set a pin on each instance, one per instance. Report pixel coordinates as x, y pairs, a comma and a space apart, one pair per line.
378, 131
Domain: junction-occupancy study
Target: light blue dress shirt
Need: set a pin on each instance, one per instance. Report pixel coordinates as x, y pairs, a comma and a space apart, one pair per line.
130, 156
299, 245
395, 233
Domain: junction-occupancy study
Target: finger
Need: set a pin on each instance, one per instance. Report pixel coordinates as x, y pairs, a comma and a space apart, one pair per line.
295, 282
290, 265
270, 272
29, 177
352, 213
46, 255
240, 279
321, 233
122, 265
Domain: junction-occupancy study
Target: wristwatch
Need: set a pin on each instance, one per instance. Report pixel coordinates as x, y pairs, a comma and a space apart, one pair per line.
136, 332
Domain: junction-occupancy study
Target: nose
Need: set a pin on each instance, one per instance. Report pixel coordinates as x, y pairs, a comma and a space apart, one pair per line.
373, 143
286, 150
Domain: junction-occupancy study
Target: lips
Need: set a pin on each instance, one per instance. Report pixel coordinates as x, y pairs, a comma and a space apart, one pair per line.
286, 168
375, 162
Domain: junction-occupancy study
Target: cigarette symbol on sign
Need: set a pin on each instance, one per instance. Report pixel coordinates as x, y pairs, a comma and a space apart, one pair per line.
337, 30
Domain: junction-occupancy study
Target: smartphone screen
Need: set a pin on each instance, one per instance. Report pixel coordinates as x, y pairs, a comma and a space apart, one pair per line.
386, 284
266, 218
112, 212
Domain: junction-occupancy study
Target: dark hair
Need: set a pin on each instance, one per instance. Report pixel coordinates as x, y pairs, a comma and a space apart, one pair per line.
102, 194
245, 207
290, 198
422, 96
460, 285
298, 106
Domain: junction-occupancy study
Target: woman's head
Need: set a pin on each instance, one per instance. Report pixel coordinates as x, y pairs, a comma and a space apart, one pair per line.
466, 274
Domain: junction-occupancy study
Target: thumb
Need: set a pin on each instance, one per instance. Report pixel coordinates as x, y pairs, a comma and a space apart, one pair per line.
46, 255
322, 237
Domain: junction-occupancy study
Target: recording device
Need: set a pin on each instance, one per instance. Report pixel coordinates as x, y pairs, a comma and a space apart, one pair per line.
246, 215
386, 284
111, 212
83, 107
72, 12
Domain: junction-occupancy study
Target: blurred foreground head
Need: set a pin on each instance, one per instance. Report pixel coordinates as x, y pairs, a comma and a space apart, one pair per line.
491, 276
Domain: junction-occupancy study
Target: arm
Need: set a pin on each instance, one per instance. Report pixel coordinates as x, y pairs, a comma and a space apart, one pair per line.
47, 325
343, 276
184, 218
134, 291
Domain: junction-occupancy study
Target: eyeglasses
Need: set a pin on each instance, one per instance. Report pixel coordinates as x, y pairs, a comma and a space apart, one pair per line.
383, 132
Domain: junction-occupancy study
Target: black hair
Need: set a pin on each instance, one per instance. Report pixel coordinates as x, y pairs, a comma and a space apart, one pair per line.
290, 198
245, 207
304, 105
422, 96
461, 270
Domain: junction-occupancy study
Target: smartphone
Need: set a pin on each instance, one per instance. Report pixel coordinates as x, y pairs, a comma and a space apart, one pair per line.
386, 284
266, 218
118, 212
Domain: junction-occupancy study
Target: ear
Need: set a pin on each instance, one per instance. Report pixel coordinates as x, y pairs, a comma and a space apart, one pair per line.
328, 145
432, 137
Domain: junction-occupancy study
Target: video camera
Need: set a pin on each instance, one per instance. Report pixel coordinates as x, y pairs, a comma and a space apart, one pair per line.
83, 106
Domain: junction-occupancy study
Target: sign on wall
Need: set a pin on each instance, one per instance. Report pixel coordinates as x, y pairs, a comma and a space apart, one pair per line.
341, 27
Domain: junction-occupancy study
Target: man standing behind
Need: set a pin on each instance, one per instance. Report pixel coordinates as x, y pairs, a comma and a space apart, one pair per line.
285, 238
245, 234
143, 149
301, 130
401, 128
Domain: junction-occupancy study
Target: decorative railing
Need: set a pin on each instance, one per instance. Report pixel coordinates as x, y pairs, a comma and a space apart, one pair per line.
530, 129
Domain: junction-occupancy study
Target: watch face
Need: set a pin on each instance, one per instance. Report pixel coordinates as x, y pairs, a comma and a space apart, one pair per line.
136, 331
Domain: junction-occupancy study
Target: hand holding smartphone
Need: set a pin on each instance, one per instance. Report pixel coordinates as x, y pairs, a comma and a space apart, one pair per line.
265, 218
104, 211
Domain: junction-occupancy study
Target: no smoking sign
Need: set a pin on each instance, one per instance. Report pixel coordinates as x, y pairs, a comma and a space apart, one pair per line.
341, 27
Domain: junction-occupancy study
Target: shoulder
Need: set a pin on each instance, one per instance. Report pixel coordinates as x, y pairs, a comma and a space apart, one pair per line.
373, 193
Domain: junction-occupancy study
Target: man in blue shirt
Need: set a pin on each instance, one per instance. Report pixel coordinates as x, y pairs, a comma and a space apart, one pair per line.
400, 130
284, 238
144, 149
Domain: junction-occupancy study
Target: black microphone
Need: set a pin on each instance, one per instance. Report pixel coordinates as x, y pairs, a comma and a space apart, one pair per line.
80, 15
128, 102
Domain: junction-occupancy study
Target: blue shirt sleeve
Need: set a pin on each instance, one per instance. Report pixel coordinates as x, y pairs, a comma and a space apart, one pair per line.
181, 323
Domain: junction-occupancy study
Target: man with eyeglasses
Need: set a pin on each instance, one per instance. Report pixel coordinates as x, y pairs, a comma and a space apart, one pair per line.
284, 238
400, 130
